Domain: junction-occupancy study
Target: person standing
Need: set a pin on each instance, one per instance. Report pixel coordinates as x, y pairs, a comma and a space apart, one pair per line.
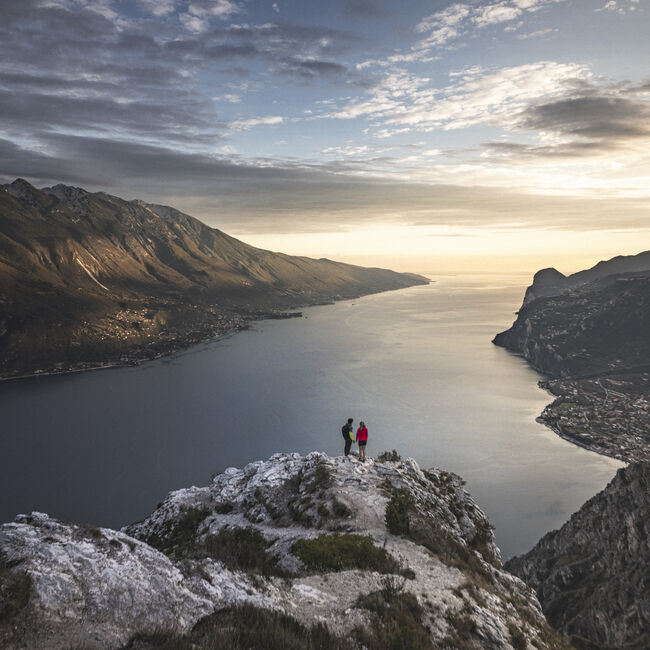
348, 436
362, 439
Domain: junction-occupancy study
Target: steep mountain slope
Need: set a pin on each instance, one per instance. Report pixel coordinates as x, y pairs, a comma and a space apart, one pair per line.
86, 278
592, 576
593, 341
602, 326
294, 552
550, 282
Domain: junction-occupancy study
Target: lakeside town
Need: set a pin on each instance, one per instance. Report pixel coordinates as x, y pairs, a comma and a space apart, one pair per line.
609, 414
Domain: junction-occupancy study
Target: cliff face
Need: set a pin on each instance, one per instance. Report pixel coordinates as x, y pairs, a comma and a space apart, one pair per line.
332, 552
88, 277
592, 576
600, 327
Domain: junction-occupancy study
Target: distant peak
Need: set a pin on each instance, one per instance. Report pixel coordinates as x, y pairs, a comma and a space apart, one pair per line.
21, 189
21, 182
549, 275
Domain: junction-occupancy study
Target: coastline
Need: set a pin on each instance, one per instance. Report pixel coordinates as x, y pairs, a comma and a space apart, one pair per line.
139, 355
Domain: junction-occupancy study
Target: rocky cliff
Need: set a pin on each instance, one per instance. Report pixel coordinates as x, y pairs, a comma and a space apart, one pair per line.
590, 333
89, 278
593, 575
293, 552
599, 327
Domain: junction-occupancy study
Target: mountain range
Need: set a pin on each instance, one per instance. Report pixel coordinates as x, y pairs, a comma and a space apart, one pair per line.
89, 278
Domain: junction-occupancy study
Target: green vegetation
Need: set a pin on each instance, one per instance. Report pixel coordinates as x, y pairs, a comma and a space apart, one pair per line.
517, 637
389, 457
398, 621
340, 509
340, 552
242, 549
179, 536
15, 591
398, 509
462, 631
245, 628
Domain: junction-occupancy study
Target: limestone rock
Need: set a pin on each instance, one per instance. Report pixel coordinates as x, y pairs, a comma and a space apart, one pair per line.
241, 541
592, 576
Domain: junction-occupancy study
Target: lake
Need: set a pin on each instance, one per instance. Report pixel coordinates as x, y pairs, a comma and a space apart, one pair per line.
417, 365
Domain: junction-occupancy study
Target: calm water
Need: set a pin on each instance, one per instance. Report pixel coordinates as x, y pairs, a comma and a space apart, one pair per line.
417, 365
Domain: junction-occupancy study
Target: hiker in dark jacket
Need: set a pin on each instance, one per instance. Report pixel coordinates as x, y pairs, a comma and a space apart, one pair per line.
348, 435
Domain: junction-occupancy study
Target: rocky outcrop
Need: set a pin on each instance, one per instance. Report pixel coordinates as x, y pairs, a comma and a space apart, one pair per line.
590, 333
592, 576
375, 554
600, 327
550, 282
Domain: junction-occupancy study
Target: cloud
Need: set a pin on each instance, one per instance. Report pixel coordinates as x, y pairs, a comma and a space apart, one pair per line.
619, 6
247, 197
458, 19
244, 125
475, 96
538, 34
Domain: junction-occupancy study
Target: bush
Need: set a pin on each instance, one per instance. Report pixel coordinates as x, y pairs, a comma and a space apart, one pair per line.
389, 457
398, 624
398, 508
242, 549
340, 552
179, 536
15, 591
340, 509
517, 638
245, 628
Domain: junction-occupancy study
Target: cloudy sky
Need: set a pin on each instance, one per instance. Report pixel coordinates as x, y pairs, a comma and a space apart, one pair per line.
477, 132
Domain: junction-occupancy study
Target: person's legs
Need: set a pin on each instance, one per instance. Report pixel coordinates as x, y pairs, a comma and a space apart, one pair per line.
348, 444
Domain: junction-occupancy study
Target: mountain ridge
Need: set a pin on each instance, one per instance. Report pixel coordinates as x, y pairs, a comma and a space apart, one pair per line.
89, 278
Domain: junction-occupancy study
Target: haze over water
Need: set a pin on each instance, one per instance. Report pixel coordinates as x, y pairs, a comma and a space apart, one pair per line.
416, 365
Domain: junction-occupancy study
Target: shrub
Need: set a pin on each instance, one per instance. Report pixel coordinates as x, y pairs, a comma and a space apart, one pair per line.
348, 551
242, 549
398, 508
398, 624
248, 627
179, 535
517, 638
340, 509
389, 457
15, 591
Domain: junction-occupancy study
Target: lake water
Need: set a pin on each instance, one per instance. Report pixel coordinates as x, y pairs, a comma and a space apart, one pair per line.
417, 365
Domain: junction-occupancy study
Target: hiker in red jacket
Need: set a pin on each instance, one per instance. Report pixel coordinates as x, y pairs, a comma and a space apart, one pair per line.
362, 439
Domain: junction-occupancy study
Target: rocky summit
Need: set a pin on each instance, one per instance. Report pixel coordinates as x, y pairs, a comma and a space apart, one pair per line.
292, 552
592, 576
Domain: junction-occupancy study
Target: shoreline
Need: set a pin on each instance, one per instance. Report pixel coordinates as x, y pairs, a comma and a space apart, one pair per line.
138, 358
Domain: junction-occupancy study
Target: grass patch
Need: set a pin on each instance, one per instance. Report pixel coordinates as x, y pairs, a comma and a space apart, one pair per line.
242, 549
223, 508
348, 551
15, 591
179, 536
388, 457
398, 509
398, 623
463, 628
517, 637
245, 628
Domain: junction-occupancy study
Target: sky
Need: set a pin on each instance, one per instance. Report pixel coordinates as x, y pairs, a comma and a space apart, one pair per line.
505, 134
